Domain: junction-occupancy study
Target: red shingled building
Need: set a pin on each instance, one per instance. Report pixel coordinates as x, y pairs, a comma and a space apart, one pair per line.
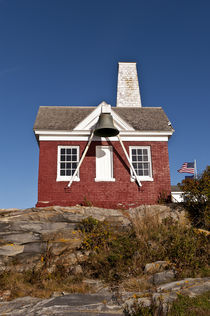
105, 177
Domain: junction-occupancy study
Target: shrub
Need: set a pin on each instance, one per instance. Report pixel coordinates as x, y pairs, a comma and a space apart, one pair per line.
196, 306
170, 241
111, 252
86, 202
96, 234
196, 199
186, 249
116, 255
163, 198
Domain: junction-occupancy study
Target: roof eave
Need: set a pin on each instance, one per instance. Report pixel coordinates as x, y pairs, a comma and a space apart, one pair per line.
88, 132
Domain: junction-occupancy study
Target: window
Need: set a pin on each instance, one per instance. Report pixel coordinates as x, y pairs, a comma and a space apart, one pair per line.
68, 159
104, 163
141, 160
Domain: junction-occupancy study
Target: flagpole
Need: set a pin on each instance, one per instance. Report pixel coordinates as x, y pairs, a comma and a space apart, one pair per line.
195, 169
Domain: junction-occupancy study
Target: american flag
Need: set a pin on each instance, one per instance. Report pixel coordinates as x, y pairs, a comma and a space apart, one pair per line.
187, 167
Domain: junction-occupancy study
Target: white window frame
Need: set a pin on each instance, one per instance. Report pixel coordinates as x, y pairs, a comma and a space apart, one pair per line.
100, 179
66, 178
142, 178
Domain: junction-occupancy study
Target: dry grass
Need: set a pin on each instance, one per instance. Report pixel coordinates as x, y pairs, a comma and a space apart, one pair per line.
170, 241
27, 284
136, 285
144, 226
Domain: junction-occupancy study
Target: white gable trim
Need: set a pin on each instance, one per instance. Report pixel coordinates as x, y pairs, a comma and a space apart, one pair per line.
91, 120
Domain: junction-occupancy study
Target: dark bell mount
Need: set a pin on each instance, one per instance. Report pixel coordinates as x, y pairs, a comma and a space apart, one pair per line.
105, 126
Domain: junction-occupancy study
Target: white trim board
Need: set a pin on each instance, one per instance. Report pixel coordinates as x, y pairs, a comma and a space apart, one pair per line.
123, 133
112, 139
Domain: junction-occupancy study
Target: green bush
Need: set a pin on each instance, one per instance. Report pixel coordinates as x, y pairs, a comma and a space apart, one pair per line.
196, 199
180, 245
115, 255
196, 306
96, 234
186, 249
111, 252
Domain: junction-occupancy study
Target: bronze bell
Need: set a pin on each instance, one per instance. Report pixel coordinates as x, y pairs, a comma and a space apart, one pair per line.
105, 126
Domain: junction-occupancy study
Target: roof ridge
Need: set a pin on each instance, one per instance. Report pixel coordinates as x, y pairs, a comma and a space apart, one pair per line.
68, 106
95, 106
137, 107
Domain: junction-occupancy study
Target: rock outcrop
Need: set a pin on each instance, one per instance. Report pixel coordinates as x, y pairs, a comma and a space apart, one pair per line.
74, 305
162, 297
107, 304
25, 235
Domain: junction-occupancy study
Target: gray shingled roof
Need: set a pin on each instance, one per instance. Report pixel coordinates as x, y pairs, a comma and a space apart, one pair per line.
68, 117
145, 119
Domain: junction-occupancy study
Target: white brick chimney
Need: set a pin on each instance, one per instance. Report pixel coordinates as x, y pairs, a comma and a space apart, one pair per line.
128, 94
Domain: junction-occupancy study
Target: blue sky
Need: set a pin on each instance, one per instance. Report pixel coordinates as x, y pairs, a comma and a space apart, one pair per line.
65, 52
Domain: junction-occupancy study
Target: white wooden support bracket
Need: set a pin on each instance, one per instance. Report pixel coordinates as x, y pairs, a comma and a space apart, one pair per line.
81, 160
130, 163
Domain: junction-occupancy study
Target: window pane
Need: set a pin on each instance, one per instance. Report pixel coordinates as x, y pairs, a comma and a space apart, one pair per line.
135, 165
74, 158
145, 158
62, 172
62, 165
146, 172
140, 165
62, 151
62, 158
68, 172
140, 172
74, 151
134, 158
139, 151
133, 151
68, 165
144, 151
68, 158
74, 165
68, 151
